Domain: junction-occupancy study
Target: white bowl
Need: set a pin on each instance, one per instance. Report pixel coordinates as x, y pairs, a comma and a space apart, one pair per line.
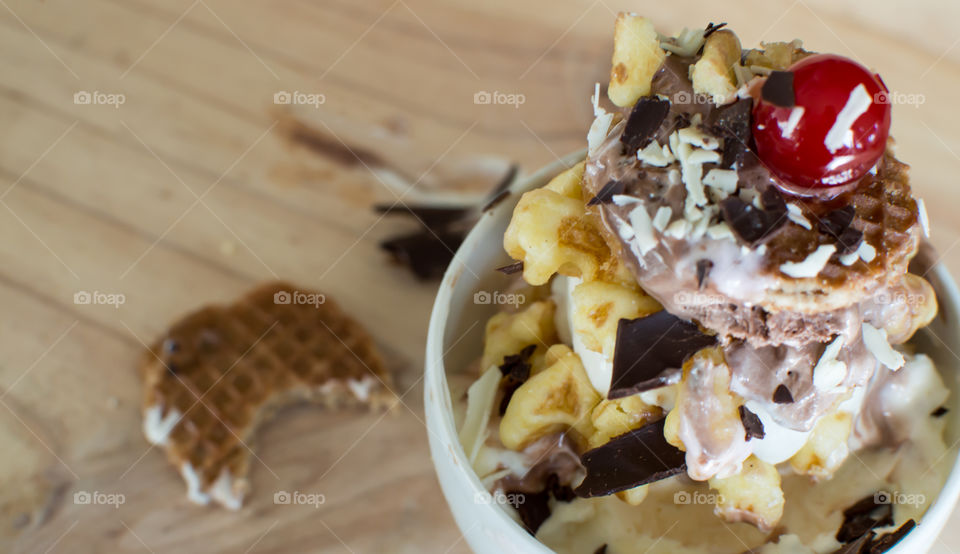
455, 338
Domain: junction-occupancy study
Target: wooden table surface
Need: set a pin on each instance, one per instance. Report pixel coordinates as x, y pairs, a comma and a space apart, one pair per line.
182, 183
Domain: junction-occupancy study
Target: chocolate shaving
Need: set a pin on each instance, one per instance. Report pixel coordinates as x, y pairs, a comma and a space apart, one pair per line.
516, 371
939, 412
732, 122
607, 192
534, 508
648, 347
865, 515
782, 395
601, 550
635, 458
778, 89
751, 424
644, 121
492, 203
748, 222
703, 269
886, 542
711, 28
431, 217
427, 254
511, 269
837, 225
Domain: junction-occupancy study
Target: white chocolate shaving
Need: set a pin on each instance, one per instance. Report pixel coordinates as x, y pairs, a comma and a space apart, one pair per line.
829, 371
656, 155
922, 216
876, 342
662, 218
812, 265
841, 134
642, 229
795, 214
722, 179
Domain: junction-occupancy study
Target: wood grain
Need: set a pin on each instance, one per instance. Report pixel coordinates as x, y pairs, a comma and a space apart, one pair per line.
198, 186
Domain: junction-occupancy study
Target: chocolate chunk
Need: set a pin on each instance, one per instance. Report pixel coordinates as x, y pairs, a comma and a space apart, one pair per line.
431, 217
607, 192
649, 346
865, 515
510, 269
782, 395
703, 269
886, 542
751, 424
748, 222
778, 89
635, 458
939, 412
426, 253
773, 202
601, 550
563, 493
837, 221
837, 225
732, 122
516, 371
534, 508
643, 123
711, 28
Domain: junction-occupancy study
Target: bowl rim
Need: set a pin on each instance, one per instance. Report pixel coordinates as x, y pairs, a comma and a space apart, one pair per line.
438, 406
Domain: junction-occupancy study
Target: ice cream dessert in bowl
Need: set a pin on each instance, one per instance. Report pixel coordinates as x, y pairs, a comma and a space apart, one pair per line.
715, 347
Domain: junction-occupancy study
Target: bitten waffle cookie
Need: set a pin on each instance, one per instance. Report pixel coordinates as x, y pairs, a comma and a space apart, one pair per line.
222, 370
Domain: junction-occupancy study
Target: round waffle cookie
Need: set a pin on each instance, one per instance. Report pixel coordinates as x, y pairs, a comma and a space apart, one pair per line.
222, 370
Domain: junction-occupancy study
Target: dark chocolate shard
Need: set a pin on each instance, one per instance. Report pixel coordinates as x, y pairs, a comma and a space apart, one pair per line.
782, 395
427, 254
431, 217
748, 222
561, 492
648, 347
607, 192
837, 225
778, 89
635, 458
703, 270
711, 28
601, 550
751, 424
516, 371
732, 123
888, 541
773, 202
644, 121
510, 269
837, 221
534, 508
865, 515
939, 412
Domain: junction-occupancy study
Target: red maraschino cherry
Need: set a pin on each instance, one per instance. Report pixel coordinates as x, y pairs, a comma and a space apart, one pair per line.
834, 132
